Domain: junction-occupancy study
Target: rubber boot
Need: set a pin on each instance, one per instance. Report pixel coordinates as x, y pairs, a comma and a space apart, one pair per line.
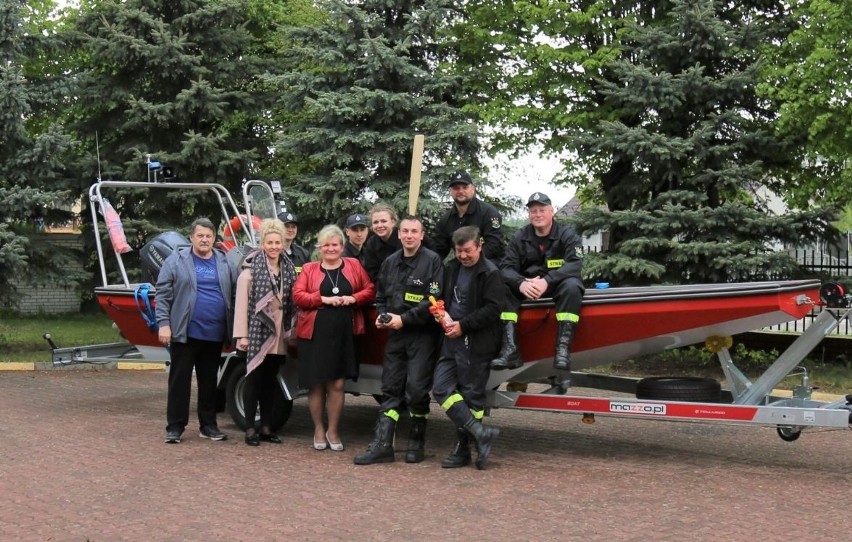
564, 338
460, 456
380, 450
416, 440
483, 436
508, 358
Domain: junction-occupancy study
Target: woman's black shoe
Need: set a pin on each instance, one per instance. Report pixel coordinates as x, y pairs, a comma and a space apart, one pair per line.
252, 439
270, 437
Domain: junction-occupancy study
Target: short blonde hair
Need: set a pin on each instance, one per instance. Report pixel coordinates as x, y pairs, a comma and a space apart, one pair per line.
271, 225
327, 233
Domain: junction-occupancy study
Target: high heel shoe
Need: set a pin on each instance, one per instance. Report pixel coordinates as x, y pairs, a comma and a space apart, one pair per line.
335, 446
320, 445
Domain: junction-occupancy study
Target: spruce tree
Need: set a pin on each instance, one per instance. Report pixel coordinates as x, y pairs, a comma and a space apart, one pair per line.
689, 148
359, 86
33, 153
176, 81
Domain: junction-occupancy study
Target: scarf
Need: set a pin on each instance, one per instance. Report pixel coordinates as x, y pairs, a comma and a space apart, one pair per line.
265, 312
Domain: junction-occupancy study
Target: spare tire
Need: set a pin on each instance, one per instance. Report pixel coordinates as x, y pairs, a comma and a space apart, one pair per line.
680, 388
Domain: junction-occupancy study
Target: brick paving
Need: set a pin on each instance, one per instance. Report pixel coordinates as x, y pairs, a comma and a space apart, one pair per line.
83, 459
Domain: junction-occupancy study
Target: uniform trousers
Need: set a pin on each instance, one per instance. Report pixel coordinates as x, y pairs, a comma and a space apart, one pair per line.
567, 295
457, 372
407, 370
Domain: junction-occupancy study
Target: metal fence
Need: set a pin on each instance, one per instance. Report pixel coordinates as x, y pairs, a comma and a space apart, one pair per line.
828, 262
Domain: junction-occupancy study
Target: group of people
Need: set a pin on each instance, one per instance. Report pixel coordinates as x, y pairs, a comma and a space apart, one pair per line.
448, 324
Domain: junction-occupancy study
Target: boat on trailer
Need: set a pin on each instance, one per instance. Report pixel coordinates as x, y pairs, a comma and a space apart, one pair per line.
616, 324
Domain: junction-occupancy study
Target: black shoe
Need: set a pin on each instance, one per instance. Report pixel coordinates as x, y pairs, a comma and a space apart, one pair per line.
270, 437
173, 436
212, 432
252, 439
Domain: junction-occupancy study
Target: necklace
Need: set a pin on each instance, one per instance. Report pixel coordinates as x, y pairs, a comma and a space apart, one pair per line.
334, 289
277, 283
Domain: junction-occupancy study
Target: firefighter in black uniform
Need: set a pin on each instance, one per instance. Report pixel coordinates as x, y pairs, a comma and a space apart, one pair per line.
468, 210
544, 259
356, 231
406, 280
383, 242
473, 297
298, 254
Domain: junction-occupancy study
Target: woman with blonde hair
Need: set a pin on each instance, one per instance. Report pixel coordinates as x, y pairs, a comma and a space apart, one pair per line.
263, 313
329, 294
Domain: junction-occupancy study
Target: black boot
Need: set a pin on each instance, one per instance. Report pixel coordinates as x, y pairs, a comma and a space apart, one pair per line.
564, 338
380, 450
508, 358
483, 437
416, 440
460, 456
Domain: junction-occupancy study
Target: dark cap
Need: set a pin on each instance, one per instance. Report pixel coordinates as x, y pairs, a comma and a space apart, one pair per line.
288, 217
538, 197
356, 220
460, 176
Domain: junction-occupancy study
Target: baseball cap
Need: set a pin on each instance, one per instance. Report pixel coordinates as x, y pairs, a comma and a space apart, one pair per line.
538, 197
460, 176
288, 217
356, 220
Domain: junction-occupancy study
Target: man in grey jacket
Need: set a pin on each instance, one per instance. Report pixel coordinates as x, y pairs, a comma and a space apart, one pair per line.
194, 305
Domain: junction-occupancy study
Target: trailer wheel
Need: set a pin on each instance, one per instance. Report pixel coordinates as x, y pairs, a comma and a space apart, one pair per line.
789, 433
683, 388
281, 407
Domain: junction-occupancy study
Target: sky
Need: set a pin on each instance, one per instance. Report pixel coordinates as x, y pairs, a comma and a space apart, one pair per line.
526, 174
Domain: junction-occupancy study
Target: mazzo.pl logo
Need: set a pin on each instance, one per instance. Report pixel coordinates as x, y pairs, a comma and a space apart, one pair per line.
638, 408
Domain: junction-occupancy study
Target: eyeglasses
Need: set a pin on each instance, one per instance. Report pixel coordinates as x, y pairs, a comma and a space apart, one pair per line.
456, 295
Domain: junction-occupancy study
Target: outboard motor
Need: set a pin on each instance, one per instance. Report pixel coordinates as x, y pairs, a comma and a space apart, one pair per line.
155, 252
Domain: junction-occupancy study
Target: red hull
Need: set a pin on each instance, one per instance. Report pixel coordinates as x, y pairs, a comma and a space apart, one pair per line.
615, 323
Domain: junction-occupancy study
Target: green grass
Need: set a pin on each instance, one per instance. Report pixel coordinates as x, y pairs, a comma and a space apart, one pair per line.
834, 376
21, 337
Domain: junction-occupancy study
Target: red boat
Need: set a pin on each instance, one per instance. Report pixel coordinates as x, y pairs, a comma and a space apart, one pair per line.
616, 324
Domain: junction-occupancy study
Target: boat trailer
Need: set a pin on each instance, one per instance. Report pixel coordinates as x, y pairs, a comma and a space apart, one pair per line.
751, 401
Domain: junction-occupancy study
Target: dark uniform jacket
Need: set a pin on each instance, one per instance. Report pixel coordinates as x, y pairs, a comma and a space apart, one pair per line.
405, 284
524, 260
482, 326
376, 251
299, 256
350, 251
479, 214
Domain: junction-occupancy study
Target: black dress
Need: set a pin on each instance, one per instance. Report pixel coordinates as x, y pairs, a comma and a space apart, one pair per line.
330, 355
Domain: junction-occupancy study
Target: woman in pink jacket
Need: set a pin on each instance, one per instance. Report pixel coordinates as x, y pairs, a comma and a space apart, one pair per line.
262, 315
329, 295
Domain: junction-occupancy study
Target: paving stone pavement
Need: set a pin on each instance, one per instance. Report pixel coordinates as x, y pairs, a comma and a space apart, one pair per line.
83, 459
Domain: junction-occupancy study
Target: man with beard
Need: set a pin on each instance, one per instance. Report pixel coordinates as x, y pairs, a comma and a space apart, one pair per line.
468, 210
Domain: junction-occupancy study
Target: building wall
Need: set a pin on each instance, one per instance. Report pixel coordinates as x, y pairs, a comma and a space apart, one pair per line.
57, 298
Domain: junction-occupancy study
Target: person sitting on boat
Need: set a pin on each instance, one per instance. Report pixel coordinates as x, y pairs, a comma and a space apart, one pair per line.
195, 317
473, 297
263, 313
543, 259
298, 254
